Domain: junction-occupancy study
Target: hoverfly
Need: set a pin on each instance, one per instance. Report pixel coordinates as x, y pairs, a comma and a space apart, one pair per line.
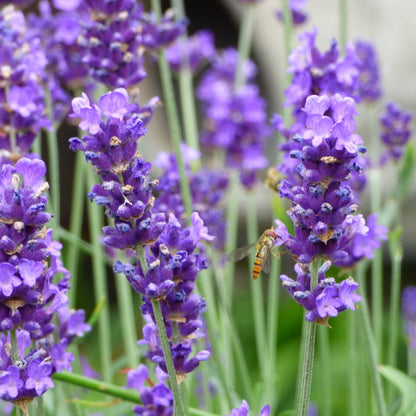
264, 246
273, 179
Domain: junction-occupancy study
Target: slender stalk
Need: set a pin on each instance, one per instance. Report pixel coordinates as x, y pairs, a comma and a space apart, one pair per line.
244, 43
40, 411
75, 222
231, 219
157, 312
186, 91
53, 163
173, 120
126, 313
325, 370
370, 344
354, 384
178, 405
396, 255
256, 288
129, 395
308, 355
100, 283
377, 268
343, 23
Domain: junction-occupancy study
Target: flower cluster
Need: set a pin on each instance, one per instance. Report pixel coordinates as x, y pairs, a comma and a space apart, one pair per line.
190, 53
59, 33
354, 74
171, 263
396, 131
22, 101
409, 315
116, 36
33, 286
207, 191
323, 206
235, 120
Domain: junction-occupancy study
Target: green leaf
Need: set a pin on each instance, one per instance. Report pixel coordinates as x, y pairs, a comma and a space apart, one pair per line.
407, 387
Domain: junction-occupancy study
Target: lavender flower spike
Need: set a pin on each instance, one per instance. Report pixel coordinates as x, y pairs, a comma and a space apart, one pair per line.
33, 286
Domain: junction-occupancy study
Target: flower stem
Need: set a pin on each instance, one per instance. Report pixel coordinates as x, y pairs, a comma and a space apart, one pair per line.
173, 120
370, 345
308, 354
128, 325
164, 342
178, 405
186, 91
256, 288
244, 44
396, 255
75, 222
343, 23
53, 163
100, 283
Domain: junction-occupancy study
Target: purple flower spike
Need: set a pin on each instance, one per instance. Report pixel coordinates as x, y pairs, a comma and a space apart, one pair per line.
396, 131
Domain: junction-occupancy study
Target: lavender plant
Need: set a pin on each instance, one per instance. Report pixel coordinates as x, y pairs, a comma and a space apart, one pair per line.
164, 227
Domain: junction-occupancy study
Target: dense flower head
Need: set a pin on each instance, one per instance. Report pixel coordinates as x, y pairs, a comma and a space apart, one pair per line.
111, 44
22, 101
354, 74
207, 192
33, 286
409, 314
191, 52
116, 36
173, 265
327, 299
115, 126
157, 399
396, 131
369, 88
59, 33
296, 9
235, 120
244, 408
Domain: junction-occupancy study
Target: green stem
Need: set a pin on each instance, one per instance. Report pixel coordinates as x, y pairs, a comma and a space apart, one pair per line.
40, 407
244, 44
186, 91
325, 370
370, 344
377, 268
353, 367
98, 385
178, 405
343, 23
53, 164
164, 342
100, 283
308, 354
75, 222
173, 120
128, 325
256, 288
396, 255
231, 219
13, 341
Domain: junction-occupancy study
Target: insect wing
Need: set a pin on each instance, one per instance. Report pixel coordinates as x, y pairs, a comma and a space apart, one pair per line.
267, 262
240, 253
